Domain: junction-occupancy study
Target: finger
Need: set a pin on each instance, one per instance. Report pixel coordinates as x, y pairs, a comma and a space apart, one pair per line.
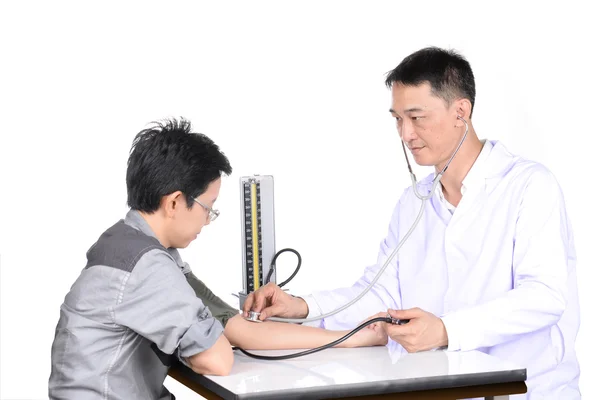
269, 312
410, 313
379, 315
398, 331
385, 328
260, 298
366, 320
248, 304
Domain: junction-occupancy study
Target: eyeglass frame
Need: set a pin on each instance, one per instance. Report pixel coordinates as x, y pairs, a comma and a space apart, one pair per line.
212, 213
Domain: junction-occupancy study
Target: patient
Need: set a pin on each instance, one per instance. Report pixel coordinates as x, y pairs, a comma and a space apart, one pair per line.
136, 305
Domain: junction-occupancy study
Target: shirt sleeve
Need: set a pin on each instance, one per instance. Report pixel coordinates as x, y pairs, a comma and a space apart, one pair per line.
220, 310
540, 269
383, 295
157, 302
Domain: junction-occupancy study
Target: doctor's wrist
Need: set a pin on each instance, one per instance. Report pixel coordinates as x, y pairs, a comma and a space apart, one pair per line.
300, 307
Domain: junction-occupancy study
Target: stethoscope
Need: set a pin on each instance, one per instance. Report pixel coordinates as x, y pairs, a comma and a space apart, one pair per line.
388, 319
438, 176
423, 199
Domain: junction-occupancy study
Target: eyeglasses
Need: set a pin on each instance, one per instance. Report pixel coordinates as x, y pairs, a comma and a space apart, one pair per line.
212, 214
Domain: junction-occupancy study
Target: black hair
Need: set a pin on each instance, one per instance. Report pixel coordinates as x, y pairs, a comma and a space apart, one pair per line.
448, 73
169, 157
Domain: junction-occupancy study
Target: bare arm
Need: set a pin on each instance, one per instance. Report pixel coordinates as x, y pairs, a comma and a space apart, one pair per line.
270, 335
217, 360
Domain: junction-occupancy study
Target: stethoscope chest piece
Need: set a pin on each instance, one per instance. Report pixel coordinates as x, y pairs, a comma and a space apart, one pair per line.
253, 316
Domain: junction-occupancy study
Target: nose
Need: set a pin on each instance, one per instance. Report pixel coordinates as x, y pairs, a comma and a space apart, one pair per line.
406, 130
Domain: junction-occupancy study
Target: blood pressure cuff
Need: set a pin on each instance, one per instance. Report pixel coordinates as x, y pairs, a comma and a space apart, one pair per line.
220, 310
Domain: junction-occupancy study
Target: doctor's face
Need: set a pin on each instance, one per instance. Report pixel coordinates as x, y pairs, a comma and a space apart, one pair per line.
425, 123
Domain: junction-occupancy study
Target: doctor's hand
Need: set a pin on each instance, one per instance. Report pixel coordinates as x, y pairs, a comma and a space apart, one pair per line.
269, 300
424, 332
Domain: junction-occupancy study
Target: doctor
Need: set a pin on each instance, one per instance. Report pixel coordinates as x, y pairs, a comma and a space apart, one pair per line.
491, 264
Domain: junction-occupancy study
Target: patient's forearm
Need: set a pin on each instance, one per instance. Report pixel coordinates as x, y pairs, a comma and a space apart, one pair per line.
279, 335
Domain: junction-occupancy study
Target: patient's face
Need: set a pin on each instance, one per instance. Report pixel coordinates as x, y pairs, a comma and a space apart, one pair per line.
188, 222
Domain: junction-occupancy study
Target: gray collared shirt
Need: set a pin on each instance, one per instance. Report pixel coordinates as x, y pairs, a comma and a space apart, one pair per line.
126, 316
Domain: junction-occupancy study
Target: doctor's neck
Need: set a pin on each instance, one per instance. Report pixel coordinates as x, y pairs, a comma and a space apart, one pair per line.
461, 164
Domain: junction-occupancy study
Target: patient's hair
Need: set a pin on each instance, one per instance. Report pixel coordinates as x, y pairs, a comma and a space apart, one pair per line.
168, 157
448, 73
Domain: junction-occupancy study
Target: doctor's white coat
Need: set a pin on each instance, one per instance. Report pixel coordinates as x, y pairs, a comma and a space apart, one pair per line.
499, 271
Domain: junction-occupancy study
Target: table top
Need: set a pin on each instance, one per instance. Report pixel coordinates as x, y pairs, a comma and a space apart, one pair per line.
340, 372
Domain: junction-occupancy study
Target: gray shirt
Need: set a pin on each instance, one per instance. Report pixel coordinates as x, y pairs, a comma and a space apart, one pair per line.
127, 316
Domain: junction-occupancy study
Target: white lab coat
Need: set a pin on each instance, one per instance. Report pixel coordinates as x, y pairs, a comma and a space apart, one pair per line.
499, 271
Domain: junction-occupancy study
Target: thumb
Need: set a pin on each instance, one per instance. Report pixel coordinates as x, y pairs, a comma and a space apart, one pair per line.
411, 313
269, 312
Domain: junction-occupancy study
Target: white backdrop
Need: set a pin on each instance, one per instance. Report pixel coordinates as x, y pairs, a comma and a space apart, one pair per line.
292, 89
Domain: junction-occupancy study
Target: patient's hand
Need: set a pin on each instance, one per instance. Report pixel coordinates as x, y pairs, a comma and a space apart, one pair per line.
372, 335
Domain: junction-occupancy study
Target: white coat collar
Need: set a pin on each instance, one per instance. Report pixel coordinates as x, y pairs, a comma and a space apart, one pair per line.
475, 178
493, 163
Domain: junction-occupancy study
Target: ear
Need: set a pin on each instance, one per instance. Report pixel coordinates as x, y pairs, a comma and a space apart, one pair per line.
463, 109
169, 203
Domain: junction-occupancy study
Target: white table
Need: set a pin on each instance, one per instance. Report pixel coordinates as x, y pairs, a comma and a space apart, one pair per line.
343, 373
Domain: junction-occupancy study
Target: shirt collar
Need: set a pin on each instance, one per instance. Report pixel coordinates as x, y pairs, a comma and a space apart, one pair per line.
474, 177
136, 221
476, 174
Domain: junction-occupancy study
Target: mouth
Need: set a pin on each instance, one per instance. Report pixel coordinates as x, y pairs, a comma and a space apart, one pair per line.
416, 150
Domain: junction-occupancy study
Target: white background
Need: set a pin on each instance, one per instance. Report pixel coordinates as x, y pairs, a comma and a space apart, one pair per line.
292, 89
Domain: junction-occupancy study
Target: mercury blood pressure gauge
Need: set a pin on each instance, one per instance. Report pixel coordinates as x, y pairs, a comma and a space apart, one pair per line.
258, 232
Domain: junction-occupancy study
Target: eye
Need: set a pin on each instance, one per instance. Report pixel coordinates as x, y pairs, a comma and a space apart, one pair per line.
416, 118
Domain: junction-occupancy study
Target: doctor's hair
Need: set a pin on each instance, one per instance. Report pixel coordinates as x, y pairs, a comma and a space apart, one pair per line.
448, 73
168, 157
